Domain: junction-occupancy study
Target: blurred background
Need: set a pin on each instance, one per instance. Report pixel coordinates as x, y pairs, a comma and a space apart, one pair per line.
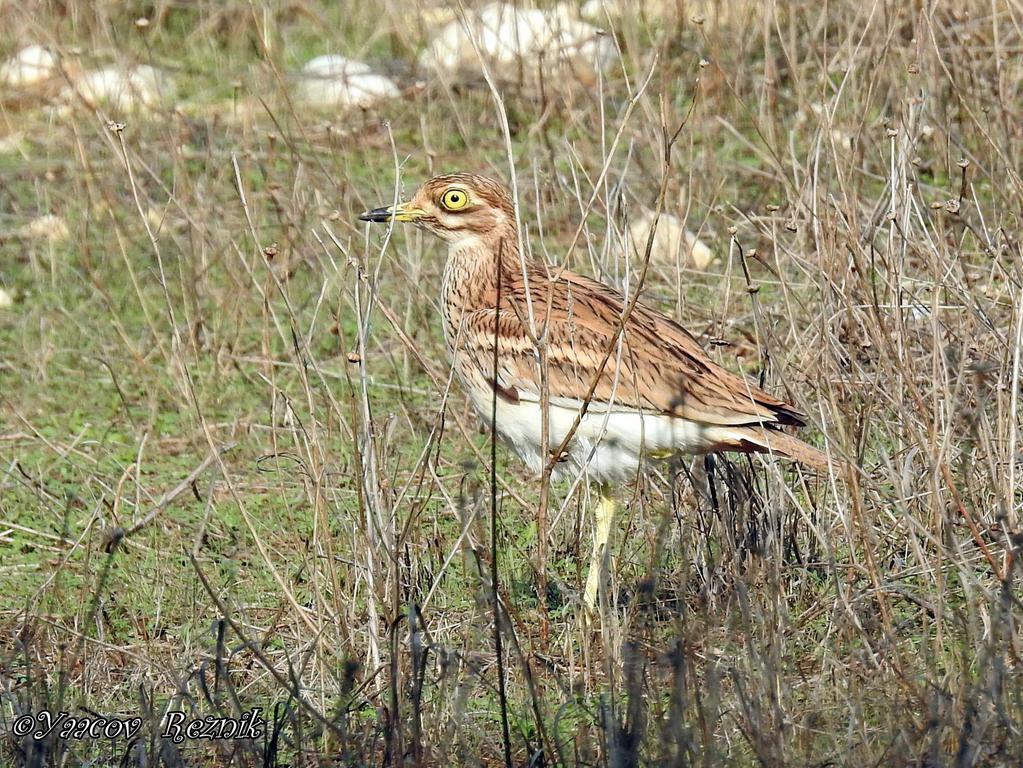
234, 471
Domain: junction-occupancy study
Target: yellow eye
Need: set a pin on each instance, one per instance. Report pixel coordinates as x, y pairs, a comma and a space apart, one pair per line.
454, 199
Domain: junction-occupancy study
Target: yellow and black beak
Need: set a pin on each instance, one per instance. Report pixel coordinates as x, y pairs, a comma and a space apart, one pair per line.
399, 212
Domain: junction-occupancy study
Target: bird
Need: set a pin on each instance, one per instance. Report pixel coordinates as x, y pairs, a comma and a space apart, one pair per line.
569, 372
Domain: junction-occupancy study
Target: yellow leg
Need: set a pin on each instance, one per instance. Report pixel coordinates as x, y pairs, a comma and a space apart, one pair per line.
603, 518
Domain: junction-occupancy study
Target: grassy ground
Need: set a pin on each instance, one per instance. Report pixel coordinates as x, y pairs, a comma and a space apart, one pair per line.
235, 473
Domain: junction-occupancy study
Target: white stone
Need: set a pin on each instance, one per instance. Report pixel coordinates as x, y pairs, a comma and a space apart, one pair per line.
843, 140
119, 88
12, 143
27, 67
333, 81
333, 65
552, 40
48, 227
672, 241
6, 300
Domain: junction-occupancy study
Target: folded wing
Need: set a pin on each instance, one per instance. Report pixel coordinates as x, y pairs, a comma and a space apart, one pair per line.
649, 363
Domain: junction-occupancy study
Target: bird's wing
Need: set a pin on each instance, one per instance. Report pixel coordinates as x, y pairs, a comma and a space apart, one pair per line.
654, 365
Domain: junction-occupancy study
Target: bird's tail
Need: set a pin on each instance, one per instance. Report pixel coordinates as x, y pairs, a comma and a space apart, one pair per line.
778, 443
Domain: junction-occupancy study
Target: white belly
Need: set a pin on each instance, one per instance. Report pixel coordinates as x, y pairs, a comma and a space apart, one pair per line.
608, 446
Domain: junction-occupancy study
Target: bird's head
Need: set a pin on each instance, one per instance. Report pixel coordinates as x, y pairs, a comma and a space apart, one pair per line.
460, 208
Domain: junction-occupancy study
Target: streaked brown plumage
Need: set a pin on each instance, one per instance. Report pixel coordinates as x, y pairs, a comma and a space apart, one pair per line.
662, 368
631, 387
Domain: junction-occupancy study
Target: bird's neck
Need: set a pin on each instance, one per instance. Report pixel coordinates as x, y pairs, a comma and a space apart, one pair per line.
470, 276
